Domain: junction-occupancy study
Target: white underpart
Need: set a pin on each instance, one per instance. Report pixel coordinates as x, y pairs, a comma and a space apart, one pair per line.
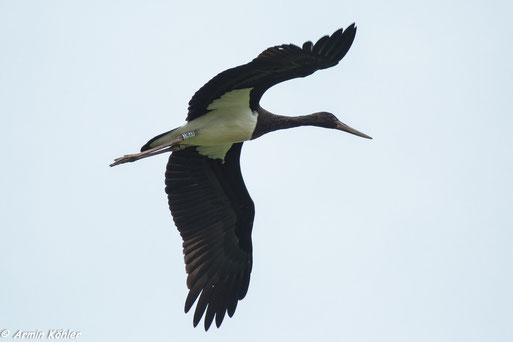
229, 120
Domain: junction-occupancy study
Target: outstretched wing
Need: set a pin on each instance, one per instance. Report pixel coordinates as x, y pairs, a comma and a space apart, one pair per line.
214, 213
272, 66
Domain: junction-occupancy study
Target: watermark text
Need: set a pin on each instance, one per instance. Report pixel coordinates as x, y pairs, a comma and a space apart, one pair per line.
50, 334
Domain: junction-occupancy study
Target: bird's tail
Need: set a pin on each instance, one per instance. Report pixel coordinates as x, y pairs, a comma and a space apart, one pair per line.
152, 142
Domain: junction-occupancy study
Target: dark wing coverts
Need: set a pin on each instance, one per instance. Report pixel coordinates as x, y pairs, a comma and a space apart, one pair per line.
272, 66
214, 214
208, 198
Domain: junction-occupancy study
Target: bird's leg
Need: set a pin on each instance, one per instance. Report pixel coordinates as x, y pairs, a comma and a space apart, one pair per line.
168, 147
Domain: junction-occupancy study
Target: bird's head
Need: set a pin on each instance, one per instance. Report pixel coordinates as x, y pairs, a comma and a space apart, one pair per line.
328, 120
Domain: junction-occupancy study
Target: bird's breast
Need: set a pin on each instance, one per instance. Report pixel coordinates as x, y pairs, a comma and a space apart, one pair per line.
221, 127
229, 120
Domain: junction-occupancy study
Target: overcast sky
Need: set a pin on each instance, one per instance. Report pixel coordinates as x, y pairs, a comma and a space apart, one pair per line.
407, 237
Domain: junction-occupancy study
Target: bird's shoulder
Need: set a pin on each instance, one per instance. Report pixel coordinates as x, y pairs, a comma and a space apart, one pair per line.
272, 66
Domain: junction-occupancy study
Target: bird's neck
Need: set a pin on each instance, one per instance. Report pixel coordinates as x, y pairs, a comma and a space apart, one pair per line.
268, 122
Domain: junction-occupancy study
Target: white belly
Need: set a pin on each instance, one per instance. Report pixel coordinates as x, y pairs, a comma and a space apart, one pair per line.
221, 127
229, 120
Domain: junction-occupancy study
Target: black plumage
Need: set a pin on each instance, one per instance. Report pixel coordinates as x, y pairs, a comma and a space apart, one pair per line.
208, 199
272, 66
214, 214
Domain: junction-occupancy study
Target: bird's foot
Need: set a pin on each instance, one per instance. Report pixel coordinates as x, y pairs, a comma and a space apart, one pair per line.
127, 158
169, 147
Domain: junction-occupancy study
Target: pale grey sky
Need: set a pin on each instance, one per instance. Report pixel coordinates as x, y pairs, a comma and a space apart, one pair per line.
403, 238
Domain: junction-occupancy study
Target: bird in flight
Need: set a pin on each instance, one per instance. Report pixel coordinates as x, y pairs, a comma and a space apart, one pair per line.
208, 199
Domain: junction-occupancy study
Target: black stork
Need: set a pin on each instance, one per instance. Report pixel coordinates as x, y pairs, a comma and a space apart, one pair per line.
209, 202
